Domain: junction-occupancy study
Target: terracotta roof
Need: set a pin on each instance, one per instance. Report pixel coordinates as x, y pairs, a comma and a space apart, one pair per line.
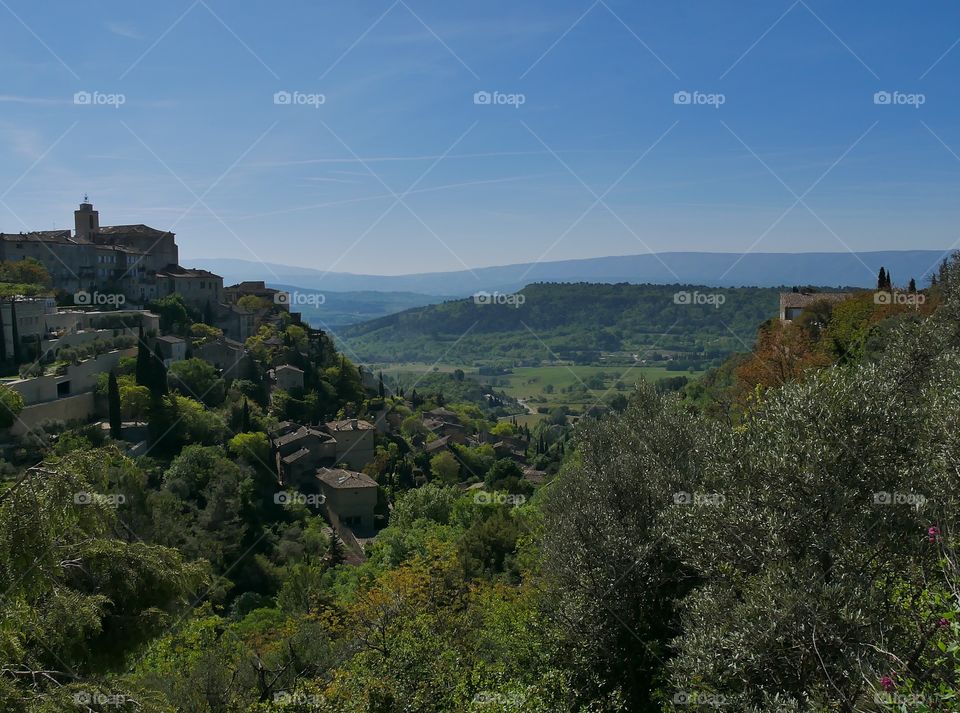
805, 299
137, 229
436, 445
442, 413
340, 478
180, 271
349, 424
295, 456
43, 236
302, 432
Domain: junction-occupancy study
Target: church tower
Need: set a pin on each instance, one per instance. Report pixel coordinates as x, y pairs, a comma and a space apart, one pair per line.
86, 221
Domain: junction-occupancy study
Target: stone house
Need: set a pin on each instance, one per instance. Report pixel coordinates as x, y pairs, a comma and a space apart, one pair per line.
355, 441
300, 451
352, 496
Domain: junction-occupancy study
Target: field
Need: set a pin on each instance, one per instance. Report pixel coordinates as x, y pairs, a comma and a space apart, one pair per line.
576, 387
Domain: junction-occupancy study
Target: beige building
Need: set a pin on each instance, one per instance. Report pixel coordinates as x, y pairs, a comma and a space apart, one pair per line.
355, 441
792, 304
198, 288
352, 496
136, 260
288, 377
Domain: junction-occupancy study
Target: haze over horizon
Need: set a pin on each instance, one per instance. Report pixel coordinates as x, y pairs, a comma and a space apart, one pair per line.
781, 127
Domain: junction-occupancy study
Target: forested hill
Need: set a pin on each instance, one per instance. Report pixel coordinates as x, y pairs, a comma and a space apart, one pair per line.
569, 321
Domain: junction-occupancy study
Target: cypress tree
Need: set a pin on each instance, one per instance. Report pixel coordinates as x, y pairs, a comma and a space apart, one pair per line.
113, 406
335, 551
158, 373
889, 282
143, 361
912, 287
245, 417
882, 279
3, 334
15, 337
380, 389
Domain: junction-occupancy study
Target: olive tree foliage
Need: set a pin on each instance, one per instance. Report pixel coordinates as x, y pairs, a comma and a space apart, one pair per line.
615, 572
794, 562
80, 595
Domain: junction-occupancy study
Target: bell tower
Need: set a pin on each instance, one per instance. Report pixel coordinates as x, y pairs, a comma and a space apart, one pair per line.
86, 221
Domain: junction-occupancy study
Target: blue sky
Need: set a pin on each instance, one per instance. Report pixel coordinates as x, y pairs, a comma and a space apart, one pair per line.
399, 170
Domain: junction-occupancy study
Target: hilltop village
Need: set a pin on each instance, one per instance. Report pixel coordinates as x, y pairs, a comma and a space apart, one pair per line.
102, 327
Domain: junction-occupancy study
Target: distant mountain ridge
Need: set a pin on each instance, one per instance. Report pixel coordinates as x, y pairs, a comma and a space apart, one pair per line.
698, 268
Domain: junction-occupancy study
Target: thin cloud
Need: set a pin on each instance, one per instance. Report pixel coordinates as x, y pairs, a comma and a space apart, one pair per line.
36, 101
124, 30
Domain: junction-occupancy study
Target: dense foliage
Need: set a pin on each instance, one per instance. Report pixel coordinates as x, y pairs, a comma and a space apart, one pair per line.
781, 536
576, 322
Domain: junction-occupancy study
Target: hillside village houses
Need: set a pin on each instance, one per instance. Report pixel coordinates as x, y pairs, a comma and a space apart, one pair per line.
136, 261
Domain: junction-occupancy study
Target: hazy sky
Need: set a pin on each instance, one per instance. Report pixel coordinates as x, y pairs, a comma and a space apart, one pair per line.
782, 145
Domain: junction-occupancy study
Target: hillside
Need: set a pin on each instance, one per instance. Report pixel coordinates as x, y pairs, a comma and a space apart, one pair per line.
342, 308
695, 268
576, 322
